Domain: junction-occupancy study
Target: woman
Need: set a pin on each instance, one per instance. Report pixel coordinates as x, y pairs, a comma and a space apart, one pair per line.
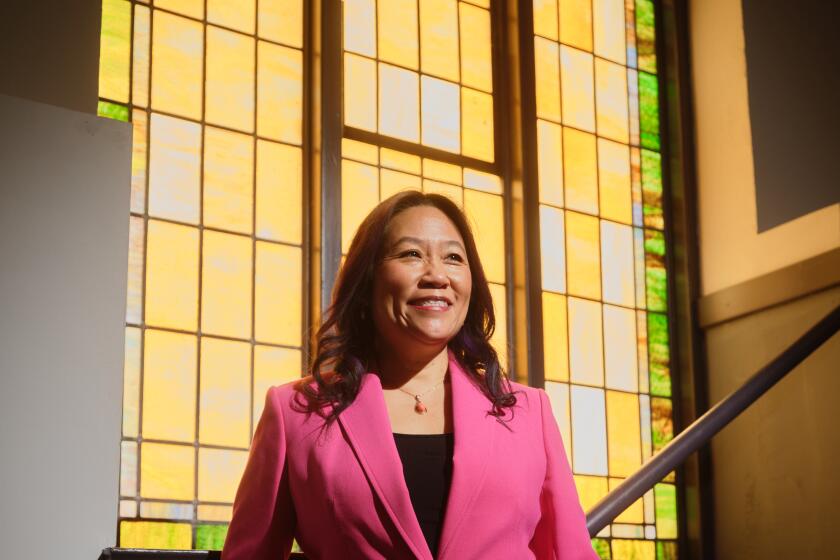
411, 443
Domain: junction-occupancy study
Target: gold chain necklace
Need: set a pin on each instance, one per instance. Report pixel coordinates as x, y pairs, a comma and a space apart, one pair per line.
419, 407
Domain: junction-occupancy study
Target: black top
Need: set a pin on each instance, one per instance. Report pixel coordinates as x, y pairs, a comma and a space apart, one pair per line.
427, 467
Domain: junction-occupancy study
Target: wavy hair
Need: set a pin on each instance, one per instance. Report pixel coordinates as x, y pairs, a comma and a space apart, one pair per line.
344, 344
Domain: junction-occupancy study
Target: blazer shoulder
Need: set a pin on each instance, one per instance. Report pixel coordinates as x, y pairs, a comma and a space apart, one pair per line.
527, 397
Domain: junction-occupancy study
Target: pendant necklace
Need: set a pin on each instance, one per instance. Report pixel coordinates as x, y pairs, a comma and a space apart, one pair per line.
419, 407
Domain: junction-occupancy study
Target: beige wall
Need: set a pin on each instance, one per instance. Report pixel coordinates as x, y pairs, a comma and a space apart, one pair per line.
774, 468
731, 252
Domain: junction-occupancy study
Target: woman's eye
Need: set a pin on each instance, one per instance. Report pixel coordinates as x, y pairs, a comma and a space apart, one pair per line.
456, 257
410, 253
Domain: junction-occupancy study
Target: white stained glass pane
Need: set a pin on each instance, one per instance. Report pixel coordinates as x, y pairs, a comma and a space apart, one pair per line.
558, 395
398, 103
589, 431
441, 114
552, 249
360, 26
617, 263
620, 348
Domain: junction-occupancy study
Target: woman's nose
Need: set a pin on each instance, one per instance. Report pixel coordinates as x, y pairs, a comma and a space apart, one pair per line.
434, 275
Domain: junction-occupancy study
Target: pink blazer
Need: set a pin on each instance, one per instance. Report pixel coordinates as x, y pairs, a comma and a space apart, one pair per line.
340, 490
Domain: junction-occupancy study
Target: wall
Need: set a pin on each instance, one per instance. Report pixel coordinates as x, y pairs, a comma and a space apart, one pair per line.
773, 468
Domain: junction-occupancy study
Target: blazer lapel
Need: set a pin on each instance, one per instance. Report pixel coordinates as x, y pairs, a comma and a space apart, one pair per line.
368, 430
474, 436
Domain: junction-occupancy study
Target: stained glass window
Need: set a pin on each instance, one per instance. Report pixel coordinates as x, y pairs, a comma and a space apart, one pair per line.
215, 302
604, 300
215, 274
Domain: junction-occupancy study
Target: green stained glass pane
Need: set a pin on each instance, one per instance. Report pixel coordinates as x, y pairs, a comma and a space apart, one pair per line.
602, 548
115, 50
112, 111
662, 422
652, 189
646, 35
658, 351
666, 511
656, 279
666, 550
649, 101
210, 537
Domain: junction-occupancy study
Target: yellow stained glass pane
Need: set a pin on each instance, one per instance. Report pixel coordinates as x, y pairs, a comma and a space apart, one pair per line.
400, 161
397, 23
547, 78
281, 21
208, 512
586, 348
441, 114
580, 161
359, 194
178, 54
226, 285
479, 180
477, 125
131, 385
611, 100
617, 263
171, 276
360, 28
272, 366
558, 396
359, 92
620, 348
230, 79
167, 471
636, 549
545, 18
139, 161
623, 437
550, 162
219, 471
614, 191
238, 14
439, 39
590, 489
440, 171
480, 3
359, 151
555, 337
155, 534
279, 192
476, 56
169, 379
486, 215
192, 8
608, 31
228, 180
392, 182
174, 169
399, 103
583, 247
499, 339
635, 513
279, 93
578, 88
225, 393
576, 23
553, 249
279, 285
115, 50
140, 53
453, 193
136, 246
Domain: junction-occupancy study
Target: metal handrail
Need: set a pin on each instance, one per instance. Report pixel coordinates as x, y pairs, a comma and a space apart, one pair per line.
702, 429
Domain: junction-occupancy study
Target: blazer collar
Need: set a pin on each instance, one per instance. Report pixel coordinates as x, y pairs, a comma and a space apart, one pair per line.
369, 433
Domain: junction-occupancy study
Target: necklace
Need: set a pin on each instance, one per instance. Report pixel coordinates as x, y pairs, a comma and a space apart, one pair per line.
419, 407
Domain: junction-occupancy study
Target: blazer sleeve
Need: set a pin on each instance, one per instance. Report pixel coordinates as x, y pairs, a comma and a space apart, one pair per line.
561, 532
263, 522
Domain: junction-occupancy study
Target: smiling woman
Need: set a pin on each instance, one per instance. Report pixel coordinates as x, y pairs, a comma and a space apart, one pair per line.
408, 431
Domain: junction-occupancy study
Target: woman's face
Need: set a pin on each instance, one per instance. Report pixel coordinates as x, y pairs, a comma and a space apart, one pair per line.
422, 285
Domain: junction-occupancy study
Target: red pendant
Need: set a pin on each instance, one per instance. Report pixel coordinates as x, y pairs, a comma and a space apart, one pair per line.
420, 408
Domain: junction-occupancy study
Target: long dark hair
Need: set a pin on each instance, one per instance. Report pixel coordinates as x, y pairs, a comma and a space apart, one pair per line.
344, 344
